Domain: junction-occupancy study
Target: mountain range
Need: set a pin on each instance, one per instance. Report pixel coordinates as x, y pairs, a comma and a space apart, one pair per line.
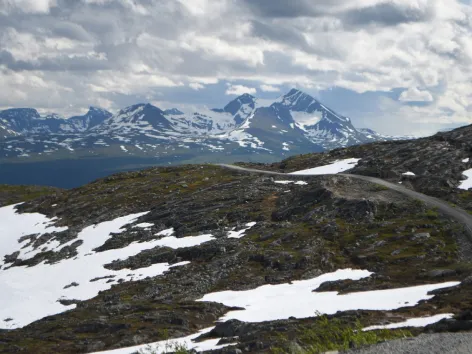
294, 123
68, 152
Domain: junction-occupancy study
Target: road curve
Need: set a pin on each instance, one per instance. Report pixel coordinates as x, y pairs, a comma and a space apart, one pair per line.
445, 208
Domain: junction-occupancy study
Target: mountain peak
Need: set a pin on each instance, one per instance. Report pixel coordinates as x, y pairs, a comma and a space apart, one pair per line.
246, 96
292, 92
12, 112
241, 107
296, 100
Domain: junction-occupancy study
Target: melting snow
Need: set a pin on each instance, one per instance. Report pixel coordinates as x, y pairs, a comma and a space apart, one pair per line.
412, 322
301, 183
29, 294
144, 225
190, 241
14, 225
335, 167
240, 233
467, 183
304, 119
466, 160
159, 347
275, 302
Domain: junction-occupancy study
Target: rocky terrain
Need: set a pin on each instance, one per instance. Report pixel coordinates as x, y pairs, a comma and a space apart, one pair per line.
434, 165
263, 233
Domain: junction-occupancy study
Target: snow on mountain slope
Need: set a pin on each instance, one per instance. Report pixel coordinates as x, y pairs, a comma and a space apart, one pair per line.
27, 121
92, 118
80, 275
318, 123
295, 123
31, 293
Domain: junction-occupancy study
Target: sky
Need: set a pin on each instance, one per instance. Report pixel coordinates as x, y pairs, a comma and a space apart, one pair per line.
396, 66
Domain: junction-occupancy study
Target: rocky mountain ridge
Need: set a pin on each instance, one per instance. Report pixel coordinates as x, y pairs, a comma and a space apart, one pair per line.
294, 123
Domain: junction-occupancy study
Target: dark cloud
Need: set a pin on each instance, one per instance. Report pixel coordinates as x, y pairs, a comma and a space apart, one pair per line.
71, 30
283, 8
60, 63
279, 33
7, 59
386, 14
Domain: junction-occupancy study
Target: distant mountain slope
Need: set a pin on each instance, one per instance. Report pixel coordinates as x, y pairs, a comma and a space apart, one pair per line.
243, 130
27, 121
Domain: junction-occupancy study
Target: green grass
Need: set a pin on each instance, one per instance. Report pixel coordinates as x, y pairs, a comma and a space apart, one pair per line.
332, 334
10, 194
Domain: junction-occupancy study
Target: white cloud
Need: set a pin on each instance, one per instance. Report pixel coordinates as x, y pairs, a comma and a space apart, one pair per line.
196, 86
112, 49
240, 90
28, 6
269, 88
413, 94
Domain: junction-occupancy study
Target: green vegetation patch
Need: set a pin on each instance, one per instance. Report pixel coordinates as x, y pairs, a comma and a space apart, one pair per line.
16, 194
330, 334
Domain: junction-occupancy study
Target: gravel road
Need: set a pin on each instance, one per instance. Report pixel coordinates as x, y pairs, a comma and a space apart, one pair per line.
438, 343
445, 208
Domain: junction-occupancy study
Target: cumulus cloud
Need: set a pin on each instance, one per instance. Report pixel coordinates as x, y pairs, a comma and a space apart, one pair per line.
119, 51
28, 6
269, 88
196, 86
240, 90
413, 94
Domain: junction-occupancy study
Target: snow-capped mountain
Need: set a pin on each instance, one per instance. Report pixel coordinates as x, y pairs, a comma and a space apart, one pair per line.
27, 121
92, 118
294, 123
317, 123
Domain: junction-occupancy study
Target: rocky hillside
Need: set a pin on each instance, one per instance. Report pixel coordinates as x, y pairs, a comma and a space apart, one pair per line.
143, 257
437, 165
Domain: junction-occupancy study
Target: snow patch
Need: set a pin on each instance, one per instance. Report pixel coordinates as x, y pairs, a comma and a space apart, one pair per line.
412, 322
408, 174
160, 347
144, 225
305, 119
276, 302
467, 183
28, 294
189, 241
240, 233
333, 168
301, 183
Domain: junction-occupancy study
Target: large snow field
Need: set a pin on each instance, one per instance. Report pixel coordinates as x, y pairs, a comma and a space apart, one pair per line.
333, 168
